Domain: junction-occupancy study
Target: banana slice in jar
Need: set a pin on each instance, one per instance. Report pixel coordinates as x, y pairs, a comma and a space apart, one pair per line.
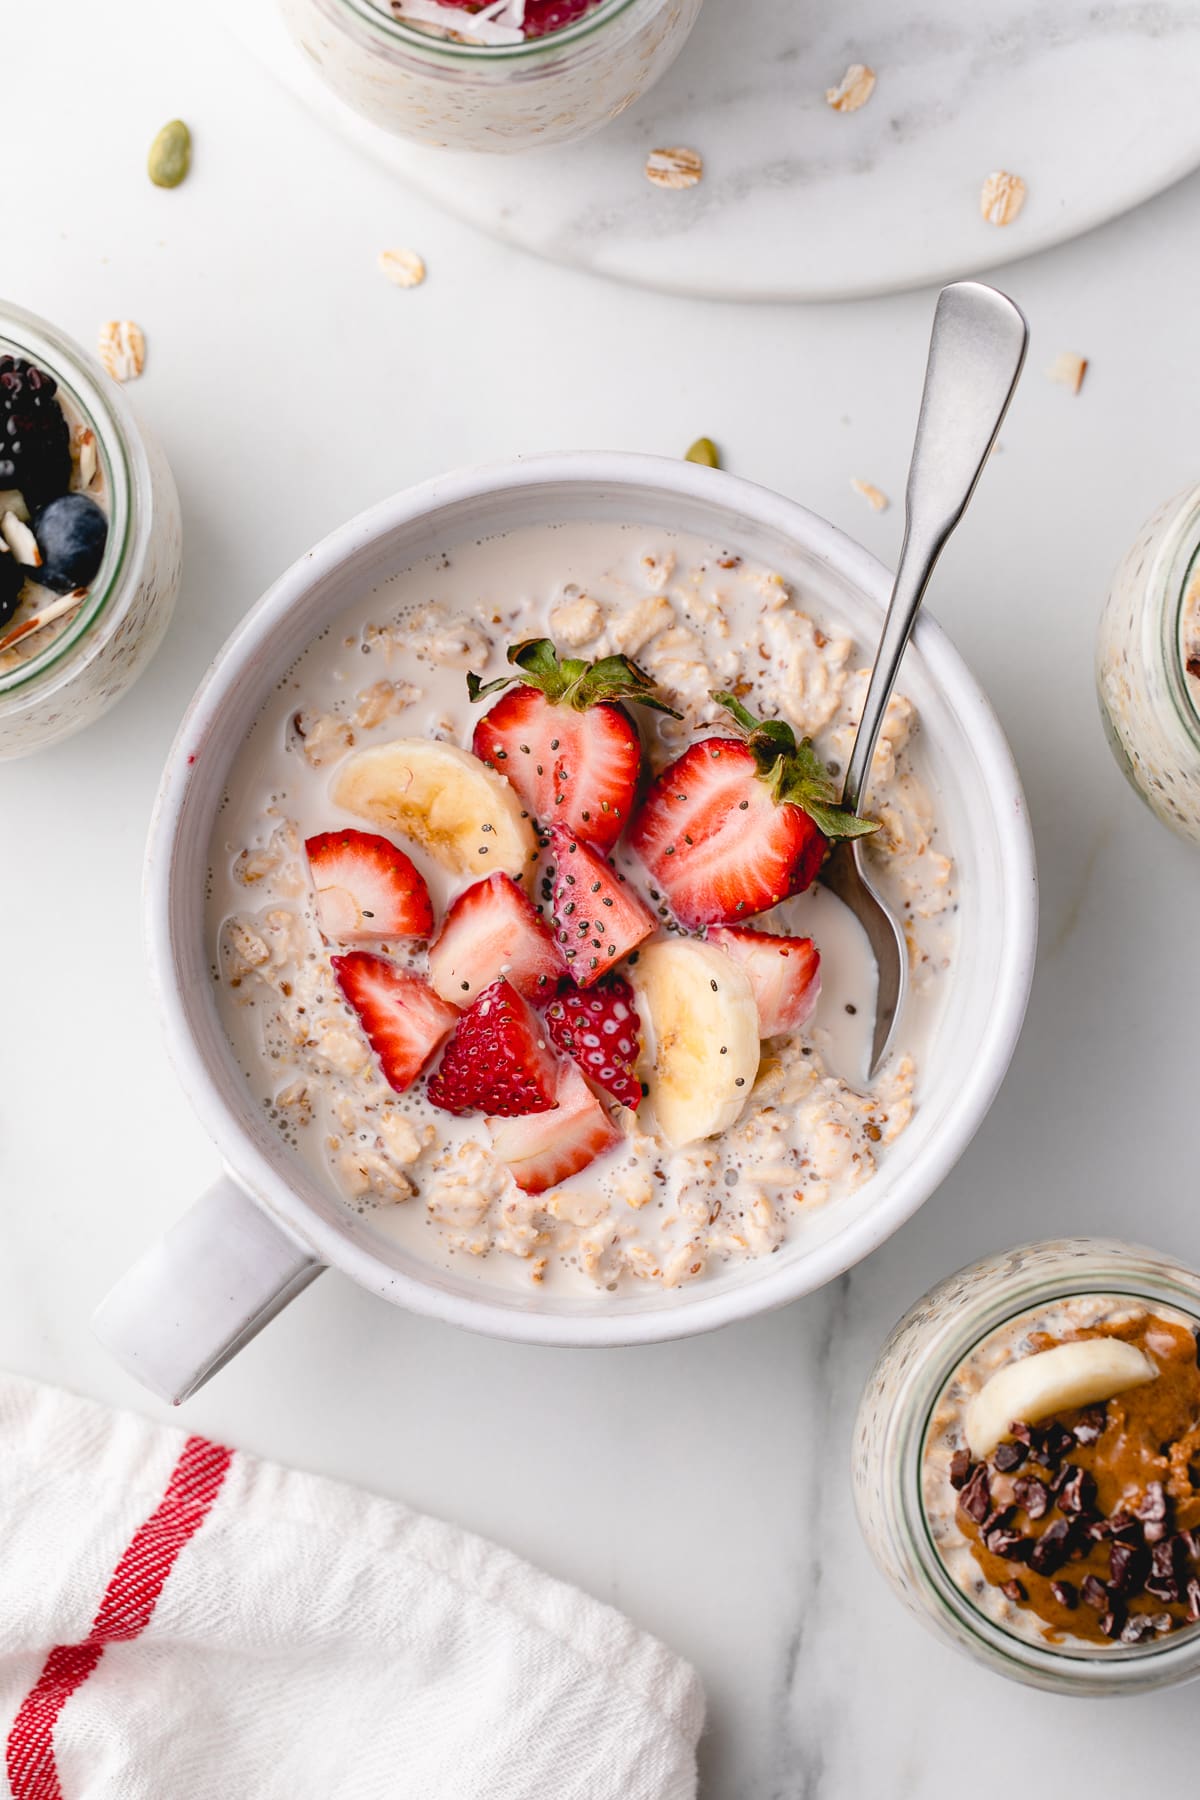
700, 1024
1053, 1381
465, 815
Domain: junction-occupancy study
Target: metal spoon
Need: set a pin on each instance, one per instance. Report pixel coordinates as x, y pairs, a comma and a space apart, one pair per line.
975, 355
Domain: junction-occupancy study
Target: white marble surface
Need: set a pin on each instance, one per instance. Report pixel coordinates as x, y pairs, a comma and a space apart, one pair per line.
1094, 106
702, 1486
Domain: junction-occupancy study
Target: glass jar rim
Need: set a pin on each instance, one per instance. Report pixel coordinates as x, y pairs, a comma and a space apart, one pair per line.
1080, 1664
24, 334
448, 50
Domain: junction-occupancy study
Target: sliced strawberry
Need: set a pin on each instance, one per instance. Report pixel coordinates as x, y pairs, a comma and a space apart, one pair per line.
494, 930
563, 741
544, 16
499, 1059
599, 918
785, 974
732, 827
404, 1020
548, 1147
366, 888
601, 1030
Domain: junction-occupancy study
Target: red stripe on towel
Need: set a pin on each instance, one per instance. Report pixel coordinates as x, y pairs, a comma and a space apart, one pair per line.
124, 1612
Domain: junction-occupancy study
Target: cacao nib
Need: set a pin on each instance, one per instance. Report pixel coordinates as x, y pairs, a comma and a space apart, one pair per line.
1009, 1456
1050, 1551
960, 1468
1110, 1624
1065, 1594
1127, 1567
1090, 1424
1056, 1441
1033, 1495
1152, 1511
1193, 1600
1078, 1492
1094, 1593
1009, 1544
975, 1498
1163, 1579
1012, 1590
1137, 1628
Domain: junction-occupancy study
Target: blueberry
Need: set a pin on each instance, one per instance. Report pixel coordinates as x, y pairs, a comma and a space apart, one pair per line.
71, 534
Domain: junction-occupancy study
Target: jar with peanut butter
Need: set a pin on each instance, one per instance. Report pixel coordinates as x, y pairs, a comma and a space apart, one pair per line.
1027, 1465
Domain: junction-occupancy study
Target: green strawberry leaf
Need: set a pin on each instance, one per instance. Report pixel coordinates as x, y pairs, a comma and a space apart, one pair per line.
794, 772
573, 682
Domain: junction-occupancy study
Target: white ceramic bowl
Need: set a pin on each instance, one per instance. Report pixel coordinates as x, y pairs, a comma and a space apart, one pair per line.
271, 1224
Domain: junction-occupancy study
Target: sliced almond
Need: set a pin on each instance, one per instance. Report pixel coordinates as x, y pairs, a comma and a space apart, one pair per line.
875, 497
84, 440
853, 90
404, 268
675, 167
20, 541
1069, 369
1002, 197
122, 347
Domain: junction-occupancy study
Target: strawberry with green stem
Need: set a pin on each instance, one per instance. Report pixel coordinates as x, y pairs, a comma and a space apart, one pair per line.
564, 739
735, 825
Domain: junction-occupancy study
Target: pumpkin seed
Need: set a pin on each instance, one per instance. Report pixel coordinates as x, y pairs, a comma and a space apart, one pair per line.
170, 155
704, 451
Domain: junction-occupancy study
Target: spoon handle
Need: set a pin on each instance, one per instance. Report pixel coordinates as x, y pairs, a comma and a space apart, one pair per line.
975, 355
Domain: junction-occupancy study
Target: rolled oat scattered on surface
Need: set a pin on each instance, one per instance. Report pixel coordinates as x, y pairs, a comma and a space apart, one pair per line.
122, 349
853, 90
1068, 369
1002, 197
875, 498
402, 267
675, 167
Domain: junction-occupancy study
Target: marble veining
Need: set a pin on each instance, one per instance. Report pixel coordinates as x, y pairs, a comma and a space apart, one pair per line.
1092, 105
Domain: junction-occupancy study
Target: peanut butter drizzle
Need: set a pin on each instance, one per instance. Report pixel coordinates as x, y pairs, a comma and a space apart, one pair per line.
1152, 1433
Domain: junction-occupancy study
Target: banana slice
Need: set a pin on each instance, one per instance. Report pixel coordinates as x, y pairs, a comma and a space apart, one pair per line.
1052, 1381
700, 1025
445, 799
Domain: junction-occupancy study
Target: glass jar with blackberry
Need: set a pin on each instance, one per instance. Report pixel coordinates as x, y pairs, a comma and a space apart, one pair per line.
1027, 1465
90, 543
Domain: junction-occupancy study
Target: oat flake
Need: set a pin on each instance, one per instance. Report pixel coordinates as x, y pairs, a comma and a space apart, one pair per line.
403, 267
122, 349
1069, 369
674, 168
875, 498
853, 90
1002, 197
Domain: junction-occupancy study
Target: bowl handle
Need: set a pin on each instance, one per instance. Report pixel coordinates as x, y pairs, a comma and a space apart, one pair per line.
202, 1292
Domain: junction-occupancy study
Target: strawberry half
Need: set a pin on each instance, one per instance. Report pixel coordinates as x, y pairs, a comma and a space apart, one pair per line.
784, 972
549, 1147
734, 826
563, 740
598, 917
404, 1020
601, 1031
494, 930
498, 1061
366, 888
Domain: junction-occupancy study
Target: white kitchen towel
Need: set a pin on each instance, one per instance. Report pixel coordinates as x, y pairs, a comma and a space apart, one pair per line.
179, 1621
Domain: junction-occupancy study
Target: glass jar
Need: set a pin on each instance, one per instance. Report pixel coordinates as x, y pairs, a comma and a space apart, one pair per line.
72, 671
1148, 701
891, 1433
548, 90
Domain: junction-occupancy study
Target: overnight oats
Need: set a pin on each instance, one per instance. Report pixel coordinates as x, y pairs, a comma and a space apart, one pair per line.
503, 76
513, 915
89, 539
1028, 1465
1148, 664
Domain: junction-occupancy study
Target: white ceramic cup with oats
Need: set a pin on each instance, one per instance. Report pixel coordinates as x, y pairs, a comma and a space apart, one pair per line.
271, 1224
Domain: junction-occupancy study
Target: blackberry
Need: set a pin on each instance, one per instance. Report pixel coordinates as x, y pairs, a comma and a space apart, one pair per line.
12, 580
35, 445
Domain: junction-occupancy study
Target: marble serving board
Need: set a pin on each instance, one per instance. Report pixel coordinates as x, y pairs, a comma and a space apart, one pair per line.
1094, 106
